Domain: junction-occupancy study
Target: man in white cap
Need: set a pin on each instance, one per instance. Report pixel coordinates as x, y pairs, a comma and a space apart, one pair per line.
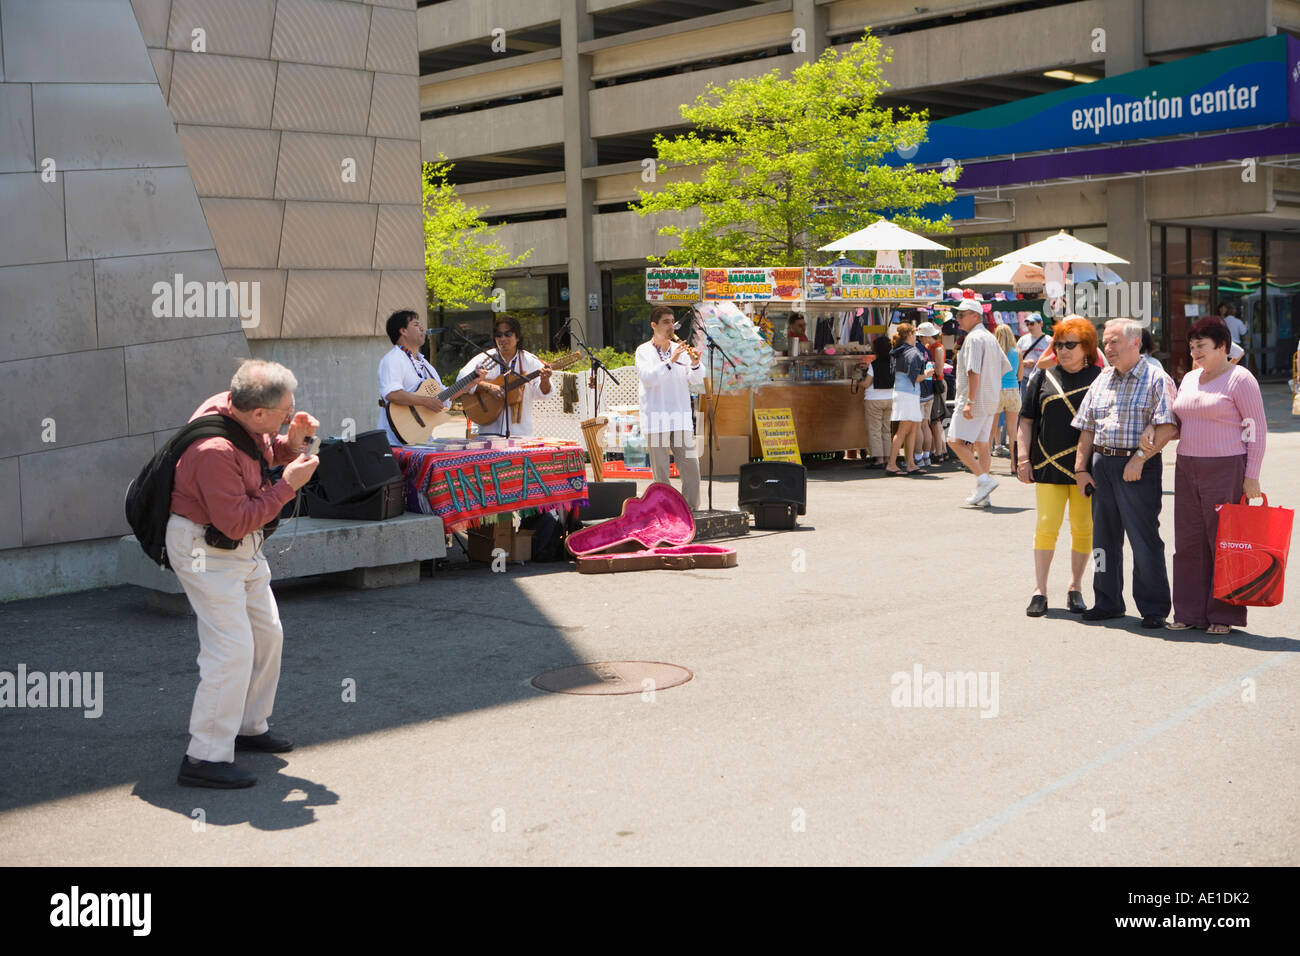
981, 364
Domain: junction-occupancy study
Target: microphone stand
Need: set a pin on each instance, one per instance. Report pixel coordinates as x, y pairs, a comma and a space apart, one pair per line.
713, 347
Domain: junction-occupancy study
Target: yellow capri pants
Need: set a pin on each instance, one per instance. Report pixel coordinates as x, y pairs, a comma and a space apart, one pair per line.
1051, 511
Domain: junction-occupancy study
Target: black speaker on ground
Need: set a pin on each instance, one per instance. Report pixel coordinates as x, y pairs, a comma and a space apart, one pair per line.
774, 491
605, 499
353, 469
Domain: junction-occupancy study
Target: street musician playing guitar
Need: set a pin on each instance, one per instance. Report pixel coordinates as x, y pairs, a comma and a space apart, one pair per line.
516, 418
403, 370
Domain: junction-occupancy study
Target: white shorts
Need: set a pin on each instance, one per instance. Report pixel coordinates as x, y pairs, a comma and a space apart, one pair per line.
907, 407
969, 429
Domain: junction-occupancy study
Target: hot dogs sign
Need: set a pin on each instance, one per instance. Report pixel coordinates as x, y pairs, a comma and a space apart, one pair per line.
791, 284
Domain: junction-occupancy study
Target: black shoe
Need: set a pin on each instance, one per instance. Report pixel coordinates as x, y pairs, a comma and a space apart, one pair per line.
1037, 606
209, 773
265, 743
1074, 602
1097, 614
1153, 620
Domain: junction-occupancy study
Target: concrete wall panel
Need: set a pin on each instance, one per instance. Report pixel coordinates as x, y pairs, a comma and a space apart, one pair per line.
333, 303
165, 381
394, 107
215, 90
399, 238
127, 212
246, 231
162, 67
73, 41
231, 27
39, 207
391, 49
76, 493
125, 298
311, 167
104, 125
400, 290
1185, 24
11, 523
620, 236
153, 16
271, 283
231, 162
328, 236
16, 143
546, 237
83, 392
47, 309
321, 99
324, 32
397, 172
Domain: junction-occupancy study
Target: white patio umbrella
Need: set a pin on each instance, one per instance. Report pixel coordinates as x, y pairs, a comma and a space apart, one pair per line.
1061, 247
1010, 272
881, 235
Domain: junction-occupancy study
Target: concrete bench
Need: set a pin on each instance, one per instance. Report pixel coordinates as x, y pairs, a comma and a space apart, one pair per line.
361, 554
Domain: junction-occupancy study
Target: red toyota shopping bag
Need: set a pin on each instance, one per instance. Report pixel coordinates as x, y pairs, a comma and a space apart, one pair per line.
1250, 553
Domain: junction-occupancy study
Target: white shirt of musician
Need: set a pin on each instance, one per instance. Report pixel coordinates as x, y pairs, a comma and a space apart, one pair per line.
398, 369
663, 391
523, 363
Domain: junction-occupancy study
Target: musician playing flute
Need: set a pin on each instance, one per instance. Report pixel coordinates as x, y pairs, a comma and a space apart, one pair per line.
665, 371
509, 339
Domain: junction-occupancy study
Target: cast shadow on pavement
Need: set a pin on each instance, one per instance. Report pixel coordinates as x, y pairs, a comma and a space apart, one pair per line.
278, 801
354, 662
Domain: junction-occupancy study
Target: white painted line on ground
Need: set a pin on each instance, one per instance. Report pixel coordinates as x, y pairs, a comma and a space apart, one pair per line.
964, 839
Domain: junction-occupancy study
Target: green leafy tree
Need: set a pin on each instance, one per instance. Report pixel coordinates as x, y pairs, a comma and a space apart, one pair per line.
790, 164
461, 258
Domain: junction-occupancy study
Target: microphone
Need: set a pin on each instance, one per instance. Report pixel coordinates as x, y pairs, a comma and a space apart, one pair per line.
437, 331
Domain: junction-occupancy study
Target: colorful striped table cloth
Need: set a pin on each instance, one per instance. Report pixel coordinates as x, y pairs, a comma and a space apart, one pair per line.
468, 486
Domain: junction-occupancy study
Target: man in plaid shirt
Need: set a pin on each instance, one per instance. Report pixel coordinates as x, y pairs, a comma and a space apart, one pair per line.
1125, 483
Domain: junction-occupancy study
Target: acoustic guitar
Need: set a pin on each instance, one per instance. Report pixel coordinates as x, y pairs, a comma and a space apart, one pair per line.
413, 425
483, 408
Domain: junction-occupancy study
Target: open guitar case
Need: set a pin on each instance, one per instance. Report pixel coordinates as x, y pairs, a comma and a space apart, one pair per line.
654, 531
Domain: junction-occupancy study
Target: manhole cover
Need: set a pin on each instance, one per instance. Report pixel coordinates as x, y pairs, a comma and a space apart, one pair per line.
612, 677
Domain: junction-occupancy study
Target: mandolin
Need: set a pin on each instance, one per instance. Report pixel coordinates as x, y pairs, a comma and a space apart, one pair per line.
483, 408
413, 425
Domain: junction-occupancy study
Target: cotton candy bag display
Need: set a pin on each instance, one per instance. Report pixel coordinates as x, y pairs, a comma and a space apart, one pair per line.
751, 358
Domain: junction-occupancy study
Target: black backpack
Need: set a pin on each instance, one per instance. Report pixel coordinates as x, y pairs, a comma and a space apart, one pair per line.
149, 496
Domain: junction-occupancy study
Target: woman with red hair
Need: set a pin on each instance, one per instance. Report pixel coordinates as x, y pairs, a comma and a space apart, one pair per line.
1052, 399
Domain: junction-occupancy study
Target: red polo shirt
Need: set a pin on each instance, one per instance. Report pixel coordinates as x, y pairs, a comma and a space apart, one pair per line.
218, 484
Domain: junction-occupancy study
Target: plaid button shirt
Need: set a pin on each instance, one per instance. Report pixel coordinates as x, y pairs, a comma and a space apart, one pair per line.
1119, 406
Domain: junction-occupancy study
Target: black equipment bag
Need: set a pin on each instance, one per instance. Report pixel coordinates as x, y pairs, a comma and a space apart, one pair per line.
386, 501
149, 496
355, 469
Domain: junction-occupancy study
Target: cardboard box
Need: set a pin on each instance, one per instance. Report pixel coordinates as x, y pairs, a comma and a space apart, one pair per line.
486, 538
733, 452
523, 547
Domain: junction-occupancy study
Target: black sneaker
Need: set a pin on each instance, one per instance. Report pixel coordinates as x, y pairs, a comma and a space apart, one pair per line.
266, 743
210, 773
1153, 621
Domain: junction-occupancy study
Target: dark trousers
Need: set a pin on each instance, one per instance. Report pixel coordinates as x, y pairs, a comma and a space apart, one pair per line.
1200, 484
1122, 507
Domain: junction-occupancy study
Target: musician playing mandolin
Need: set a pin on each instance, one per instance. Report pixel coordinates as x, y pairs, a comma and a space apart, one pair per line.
508, 336
403, 369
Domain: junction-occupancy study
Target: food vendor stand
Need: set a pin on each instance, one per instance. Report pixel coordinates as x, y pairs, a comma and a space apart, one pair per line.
821, 388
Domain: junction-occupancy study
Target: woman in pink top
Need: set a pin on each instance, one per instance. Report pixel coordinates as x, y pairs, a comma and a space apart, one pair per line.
1221, 442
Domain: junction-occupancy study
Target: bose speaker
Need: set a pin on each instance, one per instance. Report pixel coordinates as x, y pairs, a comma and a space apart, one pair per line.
352, 469
774, 491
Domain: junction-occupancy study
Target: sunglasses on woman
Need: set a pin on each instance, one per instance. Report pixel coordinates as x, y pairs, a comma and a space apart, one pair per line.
1067, 345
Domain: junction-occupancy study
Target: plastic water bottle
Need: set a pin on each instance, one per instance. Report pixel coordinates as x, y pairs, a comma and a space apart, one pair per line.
634, 451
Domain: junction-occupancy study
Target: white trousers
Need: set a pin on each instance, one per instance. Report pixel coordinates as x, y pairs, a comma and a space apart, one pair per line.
239, 637
683, 448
